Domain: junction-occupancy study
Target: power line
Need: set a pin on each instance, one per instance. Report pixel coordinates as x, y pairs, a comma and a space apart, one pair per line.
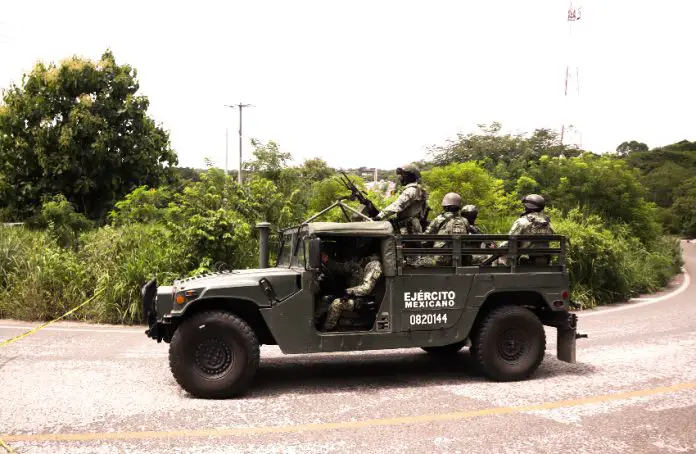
240, 106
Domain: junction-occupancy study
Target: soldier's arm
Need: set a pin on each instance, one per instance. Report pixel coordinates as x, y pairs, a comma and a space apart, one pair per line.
338, 267
373, 271
434, 226
399, 204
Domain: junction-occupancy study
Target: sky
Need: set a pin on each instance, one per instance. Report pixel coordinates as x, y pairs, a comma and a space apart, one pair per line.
376, 83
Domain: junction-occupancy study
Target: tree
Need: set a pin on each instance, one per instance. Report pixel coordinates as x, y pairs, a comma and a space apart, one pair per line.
684, 207
627, 148
78, 129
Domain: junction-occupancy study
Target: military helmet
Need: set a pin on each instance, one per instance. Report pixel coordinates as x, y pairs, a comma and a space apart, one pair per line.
470, 212
534, 202
452, 199
473, 209
409, 168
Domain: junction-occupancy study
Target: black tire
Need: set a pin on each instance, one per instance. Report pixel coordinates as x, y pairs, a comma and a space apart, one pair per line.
214, 355
450, 349
509, 343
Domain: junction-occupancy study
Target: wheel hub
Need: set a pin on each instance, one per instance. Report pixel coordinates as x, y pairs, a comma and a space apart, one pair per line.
213, 356
512, 345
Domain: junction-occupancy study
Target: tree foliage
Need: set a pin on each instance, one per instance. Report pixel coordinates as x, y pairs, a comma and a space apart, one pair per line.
78, 129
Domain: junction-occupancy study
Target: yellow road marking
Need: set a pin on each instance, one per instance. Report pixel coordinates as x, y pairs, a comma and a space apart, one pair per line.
32, 331
7, 447
346, 424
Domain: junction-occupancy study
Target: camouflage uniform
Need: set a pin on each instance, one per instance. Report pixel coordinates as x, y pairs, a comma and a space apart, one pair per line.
470, 212
411, 204
447, 223
532, 222
362, 280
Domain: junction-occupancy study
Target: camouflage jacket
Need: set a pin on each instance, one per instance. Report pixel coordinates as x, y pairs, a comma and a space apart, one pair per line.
362, 279
411, 203
448, 223
531, 224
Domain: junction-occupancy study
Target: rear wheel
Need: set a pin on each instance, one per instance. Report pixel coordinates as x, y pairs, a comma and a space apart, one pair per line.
214, 355
449, 349
509, 343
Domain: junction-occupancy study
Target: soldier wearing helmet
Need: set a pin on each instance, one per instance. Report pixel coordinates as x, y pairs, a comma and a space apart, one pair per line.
411, 205
470, 212
532, 222
449, 222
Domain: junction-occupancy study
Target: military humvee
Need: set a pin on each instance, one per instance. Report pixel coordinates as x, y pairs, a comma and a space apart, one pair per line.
216, 322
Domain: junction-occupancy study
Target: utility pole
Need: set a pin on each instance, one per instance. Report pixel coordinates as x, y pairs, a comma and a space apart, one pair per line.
240, 106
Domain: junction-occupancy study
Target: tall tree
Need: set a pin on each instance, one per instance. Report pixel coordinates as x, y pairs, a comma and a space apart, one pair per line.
78, 129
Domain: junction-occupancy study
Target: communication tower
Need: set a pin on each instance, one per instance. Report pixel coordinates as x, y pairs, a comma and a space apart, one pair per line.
569, 133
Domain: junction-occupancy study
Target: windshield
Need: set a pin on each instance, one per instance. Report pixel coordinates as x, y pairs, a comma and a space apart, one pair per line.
284, 252
286, 258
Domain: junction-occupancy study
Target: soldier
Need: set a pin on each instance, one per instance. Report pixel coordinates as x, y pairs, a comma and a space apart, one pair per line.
449, 222
532, 222
470, 212
363, 274
412, 203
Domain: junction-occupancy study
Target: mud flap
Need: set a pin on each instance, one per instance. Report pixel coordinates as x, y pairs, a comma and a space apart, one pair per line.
565, 344
566, 337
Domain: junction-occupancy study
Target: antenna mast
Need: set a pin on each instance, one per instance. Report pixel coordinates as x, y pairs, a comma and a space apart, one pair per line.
572, 81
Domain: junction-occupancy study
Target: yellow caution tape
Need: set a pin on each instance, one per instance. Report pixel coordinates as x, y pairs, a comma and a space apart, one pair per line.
7, 447
16, 338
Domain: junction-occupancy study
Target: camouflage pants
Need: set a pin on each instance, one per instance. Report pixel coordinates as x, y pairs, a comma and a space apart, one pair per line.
432, 260
409, 226
337, 306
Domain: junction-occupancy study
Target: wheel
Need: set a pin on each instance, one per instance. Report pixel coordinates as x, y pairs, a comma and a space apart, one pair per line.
509, 343
214, 355
450, 349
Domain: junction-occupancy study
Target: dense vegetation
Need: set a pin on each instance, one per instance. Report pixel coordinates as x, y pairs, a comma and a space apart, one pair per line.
92, 177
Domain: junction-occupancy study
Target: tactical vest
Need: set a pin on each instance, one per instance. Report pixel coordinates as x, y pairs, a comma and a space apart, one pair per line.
418, 204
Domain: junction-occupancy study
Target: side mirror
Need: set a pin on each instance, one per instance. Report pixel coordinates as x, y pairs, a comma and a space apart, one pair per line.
315, 253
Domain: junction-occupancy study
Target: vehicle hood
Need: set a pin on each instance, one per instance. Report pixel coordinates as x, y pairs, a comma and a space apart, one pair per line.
280, 283
236, 278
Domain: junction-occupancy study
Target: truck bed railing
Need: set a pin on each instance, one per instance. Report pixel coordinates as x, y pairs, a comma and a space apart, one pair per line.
537, 250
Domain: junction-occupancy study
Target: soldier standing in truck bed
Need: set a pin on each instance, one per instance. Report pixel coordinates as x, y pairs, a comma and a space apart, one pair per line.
412, 203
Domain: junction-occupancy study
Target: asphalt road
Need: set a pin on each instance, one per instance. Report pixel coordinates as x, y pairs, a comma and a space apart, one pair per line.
86, 388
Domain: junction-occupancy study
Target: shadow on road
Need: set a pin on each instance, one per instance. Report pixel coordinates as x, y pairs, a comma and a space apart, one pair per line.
3, 361
370, 372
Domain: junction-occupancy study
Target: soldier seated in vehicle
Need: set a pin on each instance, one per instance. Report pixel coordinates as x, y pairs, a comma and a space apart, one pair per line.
363, 272
470, 212
533, 221
449, 222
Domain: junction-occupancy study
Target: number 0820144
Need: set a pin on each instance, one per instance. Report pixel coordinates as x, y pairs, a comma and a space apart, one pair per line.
427, 319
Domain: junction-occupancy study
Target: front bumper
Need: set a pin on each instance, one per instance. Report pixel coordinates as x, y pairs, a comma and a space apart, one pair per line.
148, 294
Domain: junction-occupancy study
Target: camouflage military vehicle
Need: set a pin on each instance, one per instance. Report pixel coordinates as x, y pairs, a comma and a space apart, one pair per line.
216, 322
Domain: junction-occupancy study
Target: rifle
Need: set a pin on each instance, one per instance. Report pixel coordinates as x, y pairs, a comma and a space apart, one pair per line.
424, 219
356, 194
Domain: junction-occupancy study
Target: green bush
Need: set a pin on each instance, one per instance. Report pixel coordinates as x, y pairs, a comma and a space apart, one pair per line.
607, 264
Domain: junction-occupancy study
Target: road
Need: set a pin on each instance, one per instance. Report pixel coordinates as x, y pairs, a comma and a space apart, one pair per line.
90, 389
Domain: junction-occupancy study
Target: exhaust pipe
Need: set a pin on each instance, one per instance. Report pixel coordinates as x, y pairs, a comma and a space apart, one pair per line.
264, 230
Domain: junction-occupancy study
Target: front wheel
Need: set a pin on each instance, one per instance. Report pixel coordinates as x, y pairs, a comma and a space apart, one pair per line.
214, 355
509, 343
